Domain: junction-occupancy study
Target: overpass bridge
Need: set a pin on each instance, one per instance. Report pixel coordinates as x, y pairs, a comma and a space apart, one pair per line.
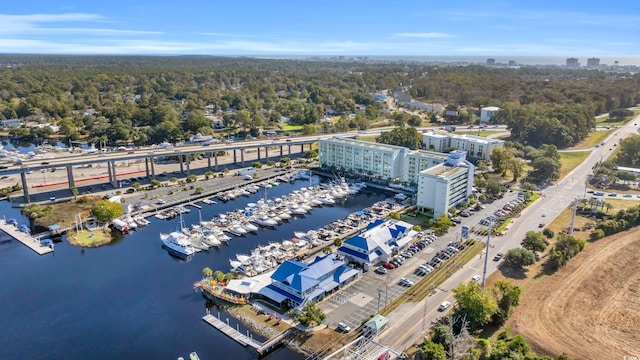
264, 148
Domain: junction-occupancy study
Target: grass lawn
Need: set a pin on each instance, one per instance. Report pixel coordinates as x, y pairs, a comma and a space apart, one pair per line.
605, 121
288, 127
86, 238
594, 138
481, 133
570, 160
370, 138
64, 213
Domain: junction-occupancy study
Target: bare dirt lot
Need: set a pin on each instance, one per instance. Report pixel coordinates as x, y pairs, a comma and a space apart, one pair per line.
590, 309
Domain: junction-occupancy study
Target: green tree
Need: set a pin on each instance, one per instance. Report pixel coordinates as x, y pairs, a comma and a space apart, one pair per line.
500, 158
155, 183
198, 190
548, 233
35, 211
520, 257
432, 351
401, 136
106, 210
475, 304
209, 174
257, 165
207, 272
443, 222
218, 275
508, 297
310, 315
596, 234
74, 191
394, 215
192, 178
534, 241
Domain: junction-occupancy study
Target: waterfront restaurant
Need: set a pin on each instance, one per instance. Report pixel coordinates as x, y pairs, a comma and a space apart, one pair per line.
294, 283
378, 242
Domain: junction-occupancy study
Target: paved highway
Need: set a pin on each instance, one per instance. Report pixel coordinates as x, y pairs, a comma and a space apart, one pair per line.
405, 323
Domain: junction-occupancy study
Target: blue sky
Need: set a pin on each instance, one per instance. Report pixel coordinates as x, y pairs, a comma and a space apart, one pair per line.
453, 28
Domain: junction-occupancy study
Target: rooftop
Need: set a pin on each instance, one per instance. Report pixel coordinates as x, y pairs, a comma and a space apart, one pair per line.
428, 154
444, 170
362, 143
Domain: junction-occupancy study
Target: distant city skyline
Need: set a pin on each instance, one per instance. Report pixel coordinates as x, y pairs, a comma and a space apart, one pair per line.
504, 30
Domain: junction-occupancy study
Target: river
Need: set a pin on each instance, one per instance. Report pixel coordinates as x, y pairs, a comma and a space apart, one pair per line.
130, 299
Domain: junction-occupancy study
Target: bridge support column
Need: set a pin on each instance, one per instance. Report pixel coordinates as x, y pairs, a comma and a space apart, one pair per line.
110, 172
181, 165
153, 169
258, 153
235, 161
266, 153
215, 160
280, 150
301, 148
209, 160
188, 161
25, 188
242, 156
115, 175
72, 183
146, 166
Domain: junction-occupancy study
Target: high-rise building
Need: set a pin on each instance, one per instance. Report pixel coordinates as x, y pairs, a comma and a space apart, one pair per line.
572, 62
593, 62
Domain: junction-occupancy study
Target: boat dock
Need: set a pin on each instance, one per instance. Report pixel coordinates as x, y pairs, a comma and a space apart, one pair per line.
236, 335
31, 242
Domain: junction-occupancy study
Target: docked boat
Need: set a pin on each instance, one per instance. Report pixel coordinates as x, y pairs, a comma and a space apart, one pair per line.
265, 221
211, 240
141, 220
178, 242
237, 230
249, 226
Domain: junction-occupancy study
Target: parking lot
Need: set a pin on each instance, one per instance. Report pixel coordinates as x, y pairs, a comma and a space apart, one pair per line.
373, 291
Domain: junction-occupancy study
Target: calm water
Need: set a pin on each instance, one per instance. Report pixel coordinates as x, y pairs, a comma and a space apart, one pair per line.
129, 299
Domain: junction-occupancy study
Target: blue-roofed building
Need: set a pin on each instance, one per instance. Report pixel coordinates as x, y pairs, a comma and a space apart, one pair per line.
295, 283
378, 242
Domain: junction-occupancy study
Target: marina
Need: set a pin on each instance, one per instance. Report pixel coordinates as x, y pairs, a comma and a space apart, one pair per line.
40, 246
153, 288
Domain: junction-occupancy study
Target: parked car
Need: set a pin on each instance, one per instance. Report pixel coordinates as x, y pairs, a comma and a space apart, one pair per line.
475, 278
388, 265
498, 257
342, 327
381, 270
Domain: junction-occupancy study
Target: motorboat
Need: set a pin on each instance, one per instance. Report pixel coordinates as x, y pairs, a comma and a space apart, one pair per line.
237, 230
141, 220
234, 264
249, 226
243, 259
210, 239
327, 200
265, 221
284, 215
178, 242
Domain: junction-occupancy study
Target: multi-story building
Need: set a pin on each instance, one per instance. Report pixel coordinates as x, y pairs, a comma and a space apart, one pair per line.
364, 157
445, 185
419, 160
477, 147
486, 113
593, 62
572, 62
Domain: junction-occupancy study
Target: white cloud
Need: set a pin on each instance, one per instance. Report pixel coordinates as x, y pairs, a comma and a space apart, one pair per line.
426, 35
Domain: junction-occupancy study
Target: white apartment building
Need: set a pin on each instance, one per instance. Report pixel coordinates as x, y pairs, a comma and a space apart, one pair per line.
476, 146
445, 185
419, 160
487, 112
364, 157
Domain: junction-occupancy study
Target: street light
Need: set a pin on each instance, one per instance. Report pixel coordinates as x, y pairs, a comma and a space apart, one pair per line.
44, 177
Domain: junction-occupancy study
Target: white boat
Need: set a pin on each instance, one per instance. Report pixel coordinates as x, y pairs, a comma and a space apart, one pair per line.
284, 215
211, 240
235, 264
296, 210
315, 202
131, 223
161, 216
244, 192
249, 226
237, 230
243, 259
141, 220
300, 234
327, 200
265, 221
178, 242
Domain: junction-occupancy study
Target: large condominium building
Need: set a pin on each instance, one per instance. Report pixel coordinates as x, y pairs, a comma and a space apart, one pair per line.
445, 185
477, 147
364, 157
416, 161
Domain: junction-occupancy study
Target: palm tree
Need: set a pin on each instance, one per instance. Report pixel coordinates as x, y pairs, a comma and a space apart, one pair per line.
207, 272
218, 275
608, 206
74, 191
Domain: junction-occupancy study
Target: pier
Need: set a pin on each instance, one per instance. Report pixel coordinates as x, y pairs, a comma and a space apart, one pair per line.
236, 335
31, 242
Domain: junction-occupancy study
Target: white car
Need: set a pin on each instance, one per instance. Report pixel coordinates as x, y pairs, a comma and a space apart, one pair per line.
444, 306
476, 278
343, 327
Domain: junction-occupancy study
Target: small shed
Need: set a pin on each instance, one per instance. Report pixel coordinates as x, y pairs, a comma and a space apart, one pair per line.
375, 325
54, 229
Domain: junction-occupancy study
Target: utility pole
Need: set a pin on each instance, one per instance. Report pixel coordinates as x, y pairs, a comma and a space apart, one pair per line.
573, 218
486, 256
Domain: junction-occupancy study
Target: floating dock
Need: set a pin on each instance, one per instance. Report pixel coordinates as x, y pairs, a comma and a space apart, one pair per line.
31, 242
241, 338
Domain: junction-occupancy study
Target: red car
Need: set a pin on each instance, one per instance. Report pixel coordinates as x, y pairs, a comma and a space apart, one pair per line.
388, 265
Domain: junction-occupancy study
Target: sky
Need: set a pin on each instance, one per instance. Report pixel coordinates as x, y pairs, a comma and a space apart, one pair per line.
329, 27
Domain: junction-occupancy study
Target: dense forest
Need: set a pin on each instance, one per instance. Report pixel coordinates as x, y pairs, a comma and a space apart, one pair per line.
152, 99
